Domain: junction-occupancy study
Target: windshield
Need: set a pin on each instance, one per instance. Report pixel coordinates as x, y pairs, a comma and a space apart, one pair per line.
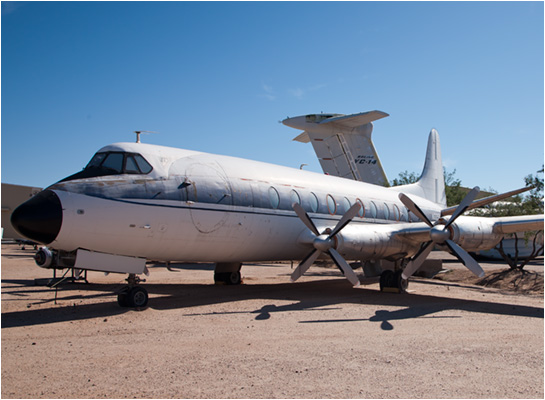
113, 163
120, 163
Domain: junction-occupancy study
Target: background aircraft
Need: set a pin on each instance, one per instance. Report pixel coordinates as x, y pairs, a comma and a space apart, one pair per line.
135, 202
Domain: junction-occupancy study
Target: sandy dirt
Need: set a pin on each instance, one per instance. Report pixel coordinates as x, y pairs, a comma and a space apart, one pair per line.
268, 338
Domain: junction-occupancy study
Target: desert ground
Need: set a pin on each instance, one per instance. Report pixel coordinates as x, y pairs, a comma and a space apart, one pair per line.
269, 338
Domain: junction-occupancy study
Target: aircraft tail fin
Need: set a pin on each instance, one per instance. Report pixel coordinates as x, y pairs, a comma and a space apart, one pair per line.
343, 144
431, 184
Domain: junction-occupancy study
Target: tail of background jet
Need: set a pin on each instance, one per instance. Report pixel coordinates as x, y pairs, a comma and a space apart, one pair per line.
431, 184
343, 144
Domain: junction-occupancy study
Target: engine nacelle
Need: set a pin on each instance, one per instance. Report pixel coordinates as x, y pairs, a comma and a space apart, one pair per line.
475, 233
53, 259
44, 258
376, 242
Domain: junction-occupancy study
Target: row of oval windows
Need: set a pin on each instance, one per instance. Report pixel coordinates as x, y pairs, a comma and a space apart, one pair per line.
340, 208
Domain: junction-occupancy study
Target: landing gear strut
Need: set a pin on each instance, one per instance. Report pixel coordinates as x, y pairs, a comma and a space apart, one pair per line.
133, 295
391, 281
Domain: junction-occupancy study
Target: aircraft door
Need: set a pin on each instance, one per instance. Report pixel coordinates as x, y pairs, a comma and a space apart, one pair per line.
205, 187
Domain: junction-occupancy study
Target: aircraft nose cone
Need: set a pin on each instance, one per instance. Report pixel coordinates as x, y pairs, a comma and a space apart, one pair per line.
39, 218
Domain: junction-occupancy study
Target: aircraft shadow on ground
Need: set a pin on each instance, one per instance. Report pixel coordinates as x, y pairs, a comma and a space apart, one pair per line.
314, 296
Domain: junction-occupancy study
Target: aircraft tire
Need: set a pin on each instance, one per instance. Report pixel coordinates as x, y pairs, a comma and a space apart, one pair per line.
400, 283
122, 298
137, 297
386, 279
235, 278
391, 281
228, 278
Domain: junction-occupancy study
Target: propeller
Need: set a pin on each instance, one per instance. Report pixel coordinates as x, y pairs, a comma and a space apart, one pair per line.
325, 243
440, 234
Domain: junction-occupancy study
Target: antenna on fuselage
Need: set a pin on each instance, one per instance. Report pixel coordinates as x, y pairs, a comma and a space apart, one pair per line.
139, 132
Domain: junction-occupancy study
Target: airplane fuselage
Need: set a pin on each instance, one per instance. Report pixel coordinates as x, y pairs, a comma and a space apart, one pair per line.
202, 207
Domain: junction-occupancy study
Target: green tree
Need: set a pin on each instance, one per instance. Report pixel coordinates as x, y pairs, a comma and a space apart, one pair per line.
523, 204
529, 204
453, 188
404, 178
533, 202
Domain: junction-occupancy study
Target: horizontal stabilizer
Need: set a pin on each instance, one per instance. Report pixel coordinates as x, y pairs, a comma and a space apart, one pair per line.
343, 144
355, 120
303, 138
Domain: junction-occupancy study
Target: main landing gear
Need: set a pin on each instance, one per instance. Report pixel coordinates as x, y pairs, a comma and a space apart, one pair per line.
227, 273
133, 295
391, 281
228, 278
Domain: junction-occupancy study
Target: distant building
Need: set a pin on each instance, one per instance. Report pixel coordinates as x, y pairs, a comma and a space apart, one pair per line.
12, 196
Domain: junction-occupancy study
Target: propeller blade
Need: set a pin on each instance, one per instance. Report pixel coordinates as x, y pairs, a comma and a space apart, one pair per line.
343, 265
303, 216
464, 204
305, 265
465, 258
417, 261
414, 209
346, 218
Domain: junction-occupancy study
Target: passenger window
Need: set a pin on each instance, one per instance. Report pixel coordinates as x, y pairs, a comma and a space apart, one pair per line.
346, 205
313, 202
294, 196
331, 205
386, 211
361, 212
397, 215
404, 215
274, 197
373, 209
114, 161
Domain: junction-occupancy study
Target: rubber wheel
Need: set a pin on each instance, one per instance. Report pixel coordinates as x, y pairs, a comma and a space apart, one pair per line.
123, 297
138, 297
122, 300
234, 278
228, 278
399, 282
386, 279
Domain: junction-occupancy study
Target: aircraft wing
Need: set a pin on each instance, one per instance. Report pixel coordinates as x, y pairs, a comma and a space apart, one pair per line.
523, 223
472, 226
487, 200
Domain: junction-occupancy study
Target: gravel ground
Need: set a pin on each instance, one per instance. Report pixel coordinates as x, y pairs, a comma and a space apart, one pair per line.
268, 338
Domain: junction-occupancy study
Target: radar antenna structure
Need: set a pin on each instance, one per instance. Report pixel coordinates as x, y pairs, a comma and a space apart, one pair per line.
139, 132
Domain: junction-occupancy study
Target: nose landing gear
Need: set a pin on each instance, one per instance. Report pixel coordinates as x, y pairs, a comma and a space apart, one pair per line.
133, 295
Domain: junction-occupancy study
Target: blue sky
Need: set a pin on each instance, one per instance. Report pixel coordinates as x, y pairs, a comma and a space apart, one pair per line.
217, 77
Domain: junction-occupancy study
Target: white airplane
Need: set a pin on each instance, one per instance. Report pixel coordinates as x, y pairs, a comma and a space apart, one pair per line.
136, 202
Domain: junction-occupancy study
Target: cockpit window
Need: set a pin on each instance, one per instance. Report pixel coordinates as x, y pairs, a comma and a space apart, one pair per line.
96, 160
120, 163
130, 166
143, 165
113, 163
